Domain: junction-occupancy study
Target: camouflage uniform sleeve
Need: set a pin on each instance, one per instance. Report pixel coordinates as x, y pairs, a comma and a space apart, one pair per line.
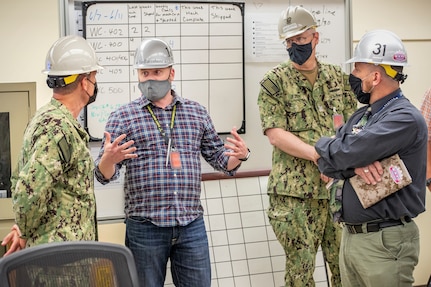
350, 100
272, 112
33, 187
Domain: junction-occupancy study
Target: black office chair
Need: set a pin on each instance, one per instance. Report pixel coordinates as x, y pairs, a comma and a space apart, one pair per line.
70, 264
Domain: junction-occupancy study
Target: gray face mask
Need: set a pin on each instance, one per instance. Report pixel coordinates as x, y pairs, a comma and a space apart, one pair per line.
154, 90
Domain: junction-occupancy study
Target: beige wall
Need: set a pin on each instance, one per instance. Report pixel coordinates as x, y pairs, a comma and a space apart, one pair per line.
410, 21
28, 28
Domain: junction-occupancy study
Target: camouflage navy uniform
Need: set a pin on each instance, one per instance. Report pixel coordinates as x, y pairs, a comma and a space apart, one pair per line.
53, 185
299, 202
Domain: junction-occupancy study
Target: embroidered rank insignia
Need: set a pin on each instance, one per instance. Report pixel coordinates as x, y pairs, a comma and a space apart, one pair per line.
269, 86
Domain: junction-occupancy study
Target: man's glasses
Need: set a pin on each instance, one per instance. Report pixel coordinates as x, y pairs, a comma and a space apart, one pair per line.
299, 40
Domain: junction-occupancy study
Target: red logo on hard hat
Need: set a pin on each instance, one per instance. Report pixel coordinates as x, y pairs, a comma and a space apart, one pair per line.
399, 57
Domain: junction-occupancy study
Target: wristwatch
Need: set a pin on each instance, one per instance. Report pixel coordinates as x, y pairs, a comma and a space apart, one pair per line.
248, 155
428, 182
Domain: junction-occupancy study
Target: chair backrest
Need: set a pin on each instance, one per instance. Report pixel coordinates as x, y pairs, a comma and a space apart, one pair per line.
70, 263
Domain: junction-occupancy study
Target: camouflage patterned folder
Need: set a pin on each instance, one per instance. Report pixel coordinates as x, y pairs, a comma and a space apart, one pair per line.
395, 176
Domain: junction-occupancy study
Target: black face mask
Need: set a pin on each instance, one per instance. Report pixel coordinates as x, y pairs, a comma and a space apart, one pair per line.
300, 53
356, 84
92, 99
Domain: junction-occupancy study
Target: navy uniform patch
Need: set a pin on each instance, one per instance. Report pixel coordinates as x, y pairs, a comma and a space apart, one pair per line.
269, 86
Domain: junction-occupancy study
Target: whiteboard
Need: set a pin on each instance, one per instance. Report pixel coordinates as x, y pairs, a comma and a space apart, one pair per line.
207, 41
335, 47
262, 43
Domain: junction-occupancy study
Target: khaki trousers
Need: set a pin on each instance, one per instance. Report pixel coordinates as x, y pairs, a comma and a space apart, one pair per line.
385, 258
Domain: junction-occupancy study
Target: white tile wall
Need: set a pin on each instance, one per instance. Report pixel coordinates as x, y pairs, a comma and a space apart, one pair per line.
243, 249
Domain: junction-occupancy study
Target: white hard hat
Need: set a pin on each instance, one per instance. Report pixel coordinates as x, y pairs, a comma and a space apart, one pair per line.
380, 47
70, 55
153, 53
294, 21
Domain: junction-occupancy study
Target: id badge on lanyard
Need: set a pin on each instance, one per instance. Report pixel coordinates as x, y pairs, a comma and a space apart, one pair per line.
175, 159
337, 120
172, 155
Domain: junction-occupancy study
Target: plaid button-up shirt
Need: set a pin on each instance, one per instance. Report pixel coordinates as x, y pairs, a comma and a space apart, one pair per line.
153, 190
426, 110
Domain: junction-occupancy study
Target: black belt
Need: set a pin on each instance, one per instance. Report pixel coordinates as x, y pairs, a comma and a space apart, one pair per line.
375, 225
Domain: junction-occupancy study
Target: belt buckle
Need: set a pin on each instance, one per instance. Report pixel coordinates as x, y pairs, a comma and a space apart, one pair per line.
373, 227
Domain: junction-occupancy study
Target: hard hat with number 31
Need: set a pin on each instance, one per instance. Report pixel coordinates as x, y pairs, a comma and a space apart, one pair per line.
383, 48
380, 47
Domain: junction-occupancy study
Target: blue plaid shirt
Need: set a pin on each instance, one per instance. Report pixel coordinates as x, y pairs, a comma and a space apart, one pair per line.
154, 191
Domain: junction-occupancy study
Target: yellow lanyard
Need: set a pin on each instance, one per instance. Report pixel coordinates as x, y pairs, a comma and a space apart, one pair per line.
156, 121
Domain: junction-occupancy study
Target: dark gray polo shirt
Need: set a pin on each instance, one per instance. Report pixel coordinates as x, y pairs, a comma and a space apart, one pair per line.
395, 126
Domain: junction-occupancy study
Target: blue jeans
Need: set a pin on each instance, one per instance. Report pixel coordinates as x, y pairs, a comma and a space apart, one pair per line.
186, 247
